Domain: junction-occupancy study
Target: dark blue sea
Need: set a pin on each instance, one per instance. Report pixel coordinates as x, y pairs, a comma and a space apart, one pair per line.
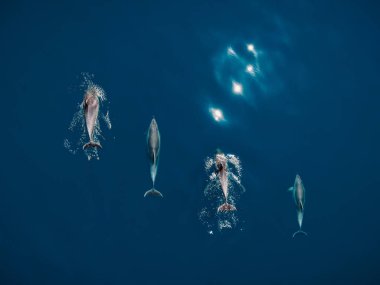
288, 87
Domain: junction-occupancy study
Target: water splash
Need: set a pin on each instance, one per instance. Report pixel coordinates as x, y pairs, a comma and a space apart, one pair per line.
209, 215
77, 135
107, 120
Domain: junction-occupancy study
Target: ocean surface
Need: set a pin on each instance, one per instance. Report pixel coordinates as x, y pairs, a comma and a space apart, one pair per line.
287, 87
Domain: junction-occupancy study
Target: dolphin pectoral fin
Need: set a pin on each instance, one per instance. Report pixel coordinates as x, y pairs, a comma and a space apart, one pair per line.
300, 232
92, 144
153, 192
291, 188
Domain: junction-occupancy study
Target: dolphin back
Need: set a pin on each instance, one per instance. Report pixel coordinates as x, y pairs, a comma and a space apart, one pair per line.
153, 144
299, 193
153, 141
91, 111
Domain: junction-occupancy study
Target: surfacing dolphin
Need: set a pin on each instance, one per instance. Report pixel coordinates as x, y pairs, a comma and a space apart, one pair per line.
299, 198
221, 171
91, 111
153, 141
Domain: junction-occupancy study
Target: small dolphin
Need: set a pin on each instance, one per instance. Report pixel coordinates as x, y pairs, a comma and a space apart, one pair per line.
221, 171
299, 198
153, 141
91, 109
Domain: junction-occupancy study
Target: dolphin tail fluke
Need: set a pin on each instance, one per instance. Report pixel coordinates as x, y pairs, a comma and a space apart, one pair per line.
92, 144
226, 208
153, 192
300, 232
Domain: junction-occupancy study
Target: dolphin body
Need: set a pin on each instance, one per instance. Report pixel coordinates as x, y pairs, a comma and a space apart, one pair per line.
221, 171
153, 142
299, 198
91, 110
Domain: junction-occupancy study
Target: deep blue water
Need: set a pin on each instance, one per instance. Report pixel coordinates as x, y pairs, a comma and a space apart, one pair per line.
67, 220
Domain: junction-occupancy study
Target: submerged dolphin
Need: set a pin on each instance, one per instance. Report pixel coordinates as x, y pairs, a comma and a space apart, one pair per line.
153, 141
91, 110
221, 171
299, 198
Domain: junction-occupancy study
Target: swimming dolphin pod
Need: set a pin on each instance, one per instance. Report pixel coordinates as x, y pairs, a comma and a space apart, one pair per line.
298, 191
91, 110
90, 106
153, 142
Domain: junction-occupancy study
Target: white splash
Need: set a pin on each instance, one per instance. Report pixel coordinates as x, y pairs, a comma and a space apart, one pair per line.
237, 88
231, 52
251, 48
217, 114
239, 71
107, 120
224, 224
250, 69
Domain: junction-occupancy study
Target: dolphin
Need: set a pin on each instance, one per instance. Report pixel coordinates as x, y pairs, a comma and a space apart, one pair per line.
299, 198
153, 142
91, 110
221, 171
